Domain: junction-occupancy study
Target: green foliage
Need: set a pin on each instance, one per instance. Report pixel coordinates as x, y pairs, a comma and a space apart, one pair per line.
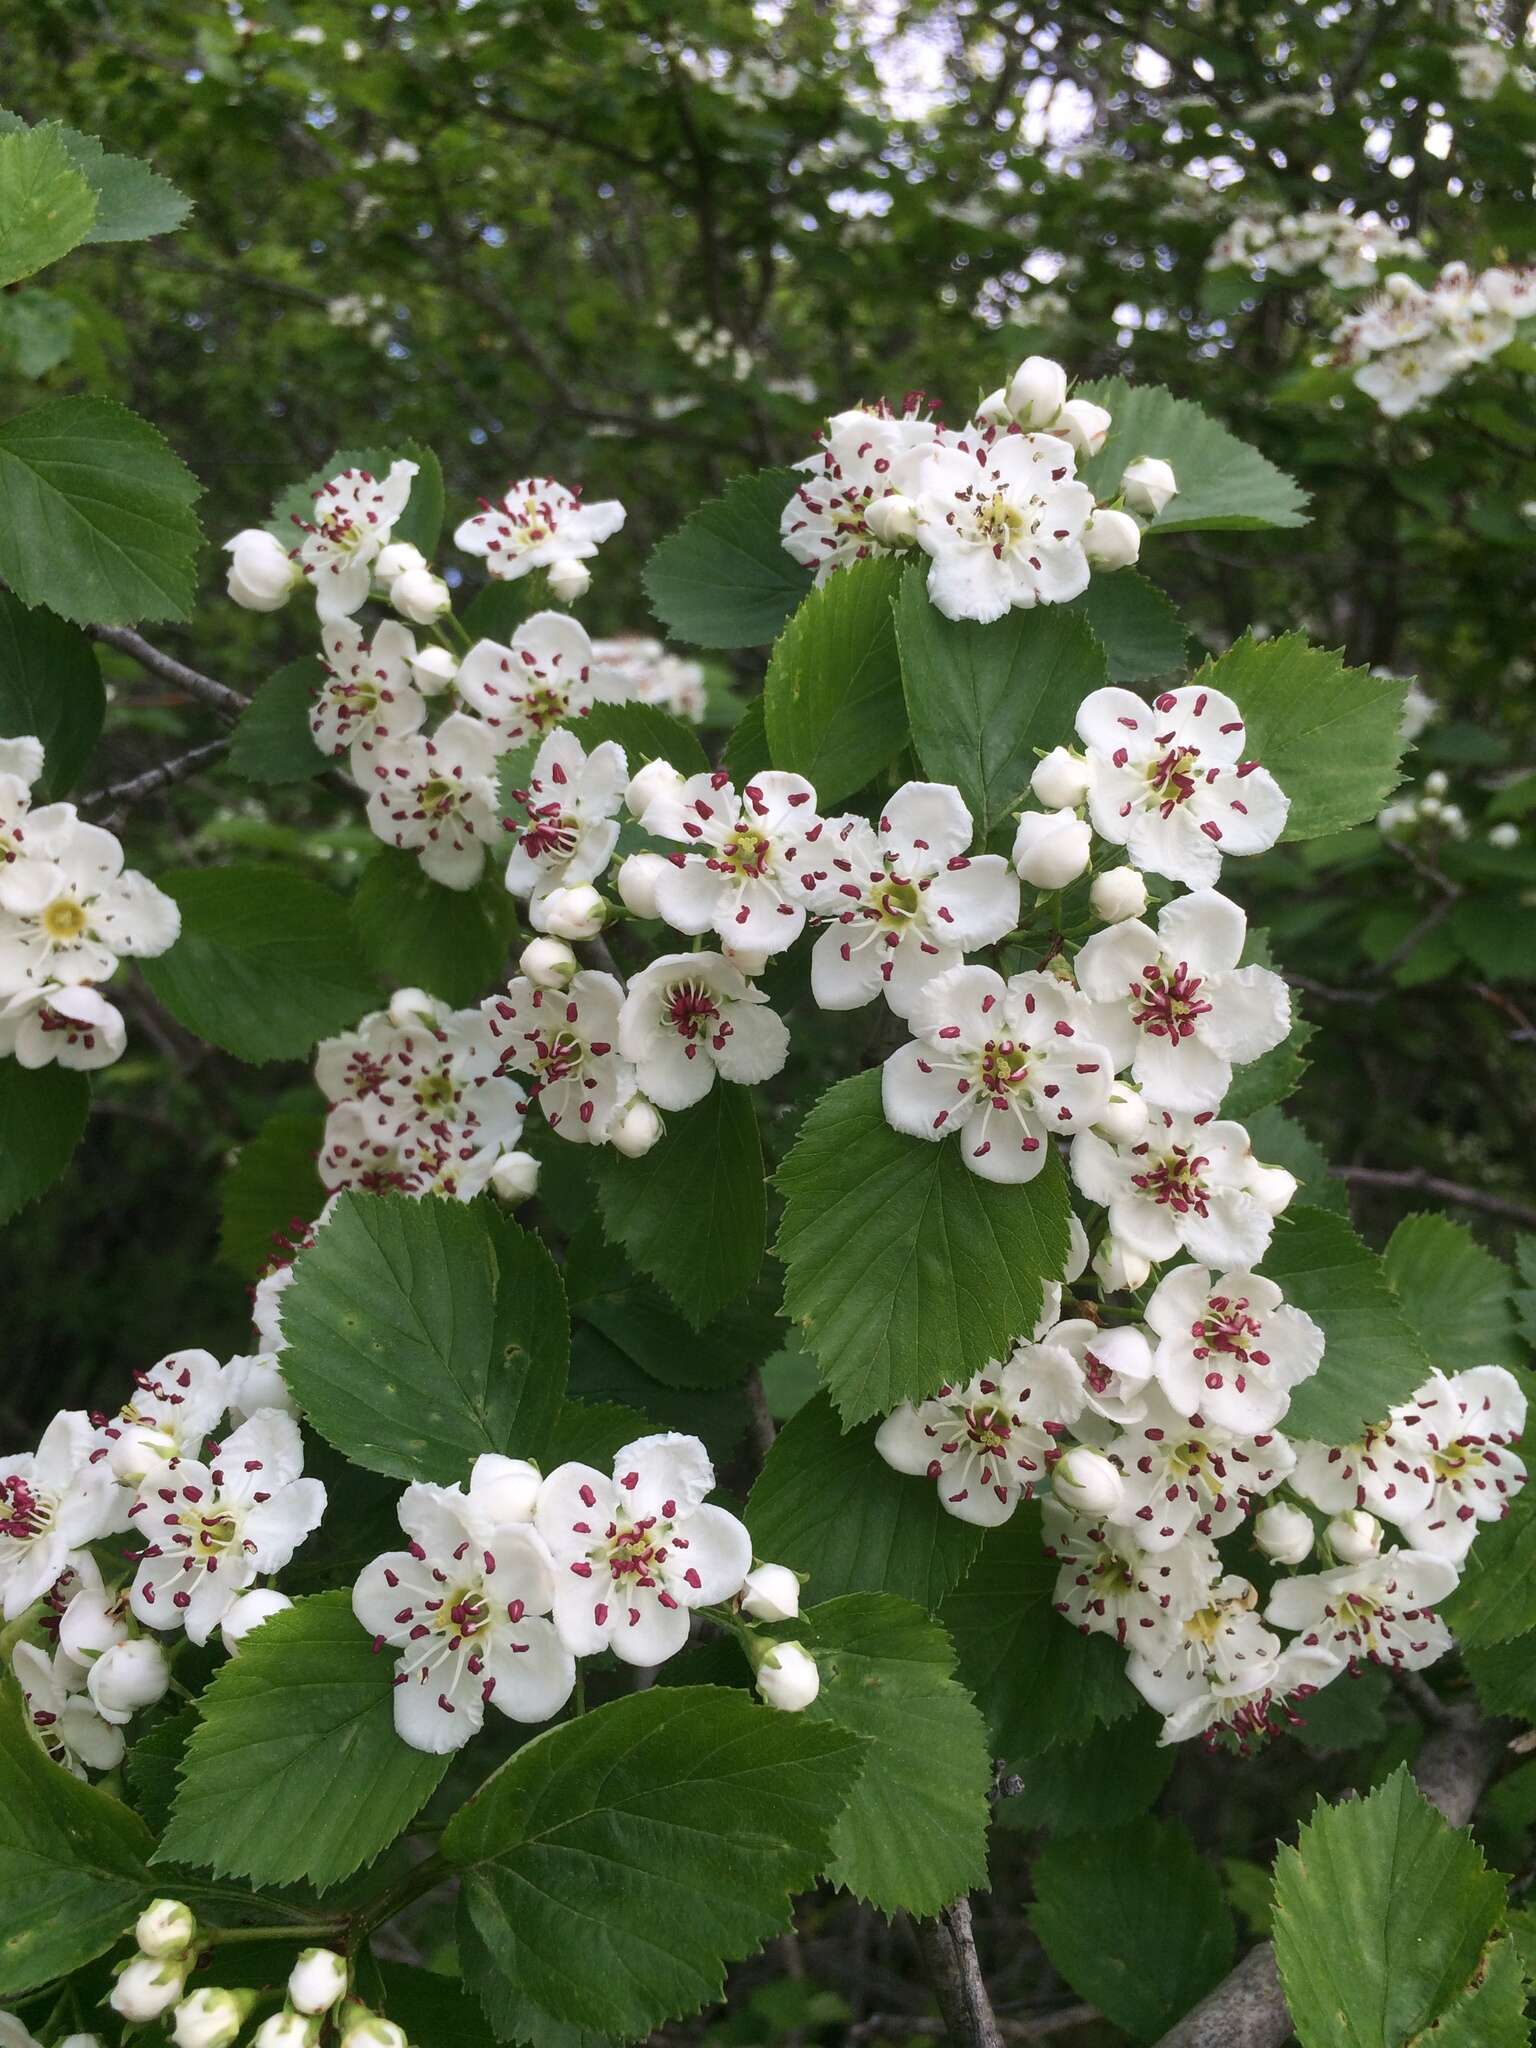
1222, 482
1496, 1599
903, 1268
724, 578
1110, 1776
50, 685
42, 1119
1505, 1677
689, 1813
1138, 628
1455, 1294
37, 330
295, 1771
421, 1333
272, 741
46, 207
132, 202
269, 1192
832, 699
1280, 1141
414, 933
645, 732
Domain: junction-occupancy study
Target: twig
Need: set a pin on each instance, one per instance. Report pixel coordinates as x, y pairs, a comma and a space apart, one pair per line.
764, 1429
919, 2026
1414, 1180
121, 794
947, 1945
219, 696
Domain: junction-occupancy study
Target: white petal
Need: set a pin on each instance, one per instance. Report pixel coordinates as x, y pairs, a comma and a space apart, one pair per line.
928, 817
1203, 929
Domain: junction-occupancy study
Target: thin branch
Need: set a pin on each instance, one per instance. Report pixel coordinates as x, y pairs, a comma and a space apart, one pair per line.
947, 1944
192, 682
121, 794
1414, 1180
918, 2026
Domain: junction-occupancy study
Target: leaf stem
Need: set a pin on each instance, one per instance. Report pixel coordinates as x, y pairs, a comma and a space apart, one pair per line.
426, 1877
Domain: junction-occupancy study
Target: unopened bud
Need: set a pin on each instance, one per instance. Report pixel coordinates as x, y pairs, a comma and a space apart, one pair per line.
1355, 1537
515, 1177
249, 1612
166, 1927
137, 1450
892, 520
1087, 1482
1037, 391
433, 669
317, 1980
1111, 540
577, 912
750, 959
1505, 835
1051, 848
128, 1677
656, 778
771, 1592
1437, 782
410, 1008
287, 2029
262, 573
1117, 894
506, 1489
993, 409
149, 1986
1060, 780
1270, 1185
1119, 1269
420, 596
788, 1678
211, 2017
636, 1129
1125, 1115
91, 1624
636, 882
568, 580
1283, 1533
1148, 484
548, 963
1084, 424
361, 2028
398, 559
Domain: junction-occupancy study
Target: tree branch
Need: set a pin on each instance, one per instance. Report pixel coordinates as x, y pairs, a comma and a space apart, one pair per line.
1414, 1180
121, 794
218, 696
947, 1945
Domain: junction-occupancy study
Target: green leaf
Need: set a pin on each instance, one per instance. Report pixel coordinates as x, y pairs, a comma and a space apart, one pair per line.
1135, 1921
272, 741
420, 523
902, 1267
1136, 625
986, 701
618, 1862
96, 518
295, 1772
42, 1120
1505, 1677
1328, 734
1222, 481
133, 202
746, 751
1496, 1599
913, 1835
153, 1764
1111, 1776
1493, 931
832, 698
1455, 1294
1381, 1912
1372, 1358
271, 1191
1275, 1074
828, 1505
724, 578
693, 1212
72, 1861
422, 1333
50, 685
639, 1322
1038, 1681
1490, 2013
1280, 1141
1524, 1296
46, 207
37, 329
266, 963
414, 933
645, 732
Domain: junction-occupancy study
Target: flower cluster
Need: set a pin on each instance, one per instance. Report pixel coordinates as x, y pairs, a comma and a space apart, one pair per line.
1409, 342
69, 912
997, 505
1348, 251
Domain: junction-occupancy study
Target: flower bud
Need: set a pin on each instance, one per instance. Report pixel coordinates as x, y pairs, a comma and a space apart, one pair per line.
166, 1927
750, 959
788, 1678
317, 1980
1084, 424
771, 1592
128, 1677
636, 882
1125, 1115
211, 2017
1086, 1481
1111, 540
398, 559
1283, 1533
261, 571
249, 1612
433, 669
420, 596
1060, 780
1051, 848
636, 1129
91, 1624
1437, 782
1119, 1270
1355, 1537
574, 913
568, 580
506, 1489
993, 409
361, 2028
1504, 835
892, 520
82, 2041
1118, 893
548, 963
149, 1986
515, 1177
137, 1449
1037, 391
286, 2029
656, 778
1148, 484
1270, 1185
410, 1008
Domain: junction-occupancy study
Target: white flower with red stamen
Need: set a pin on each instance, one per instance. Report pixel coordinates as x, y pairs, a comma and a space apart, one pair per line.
905, 902
467, 1606
1468, 1424
1184, 1186
62, 1718
867, 453
565, 824
1006, 1064
174, 1407
1252, 1704
211, 1529
68, 910
1174, 1006
566, 1042
689, 1016
368, 694
632, 669
1114, 1367
75, 1026
1183, 1474
534, 524
986, 1446
1382, 1610
1002, 516
354, 520
635, 1552
1230, 1348
544, 675
436, 795
753, 862
1109, 1585
1170, 785
1223, 1644
53, 1502
21, 763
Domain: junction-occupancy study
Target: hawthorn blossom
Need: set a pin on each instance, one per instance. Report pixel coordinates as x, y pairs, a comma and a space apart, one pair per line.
62, 1717
75, 1026
1109, 1585
436, 795
1185, 1185
1222, 1646
1183, 1474
754, 861
53, 1502
569, 821
688, 1016
1174, 1006
355, 515
21, 763
867, 453
565, 1041
1230, 1348
68, 910
368, 694
906, 901
1382, 1610
634, 669
544, 675
635, 1552
1169, 783
211, 1529
533, 525
174, 1407
1001, 515
1113, 1367
1006, 1063
1253, 1703
1468, 1423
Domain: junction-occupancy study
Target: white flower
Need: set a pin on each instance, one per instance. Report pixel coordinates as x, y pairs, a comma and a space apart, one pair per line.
1168, 781
788, 1678
636, 1129
149, 1986
433, 670
1387, 1470
688, 1016
1480, 69
565, 823
753, 859
1114, 1368
368, 694
437, 796
128, 1677
1148, 485
1254, 1702
1111, 540
544, 675
634, 1552
1087, 1482
248, 1613
76, 1026
569, 579
52, 1504
175, 1405
771, 1592
1008, 1064
166, 1927
420, 596
1183, 1185
635, 669
1468, 1424
1037, 392
1354, 1536
212, 1529
905, 900
1382, 1610
262, 573
1284, 1533
1084, 424
1175, 1007
355, 515
64, 1721
1183, 1474
1051, 848
21, 759
256, 1381
317, 1981
1222, 1643
515, 1177
867, 454
535, 524
1109, 1585
566, 1043
1001, 515
68, 911
1061, 780
1230, 1348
